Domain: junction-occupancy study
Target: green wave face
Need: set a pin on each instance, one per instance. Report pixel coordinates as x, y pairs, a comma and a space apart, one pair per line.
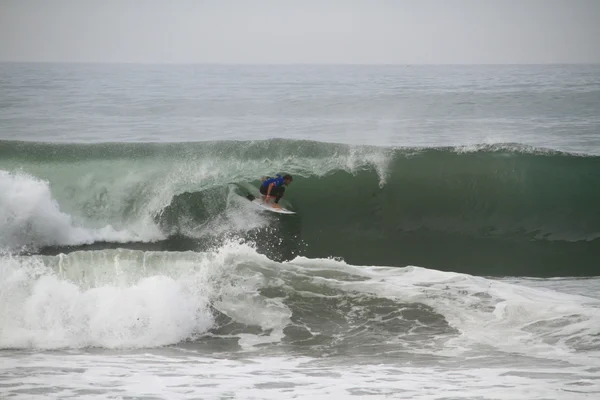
490, 210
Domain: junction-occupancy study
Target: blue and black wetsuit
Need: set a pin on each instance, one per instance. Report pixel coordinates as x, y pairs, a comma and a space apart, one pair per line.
277, 190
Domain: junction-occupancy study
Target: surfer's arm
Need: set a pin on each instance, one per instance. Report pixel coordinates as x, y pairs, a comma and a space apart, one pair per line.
269, 192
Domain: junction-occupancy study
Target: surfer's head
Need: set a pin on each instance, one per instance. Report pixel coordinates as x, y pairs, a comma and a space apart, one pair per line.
287, 179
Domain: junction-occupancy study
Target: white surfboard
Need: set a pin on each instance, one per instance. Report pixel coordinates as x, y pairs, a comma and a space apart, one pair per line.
269, 207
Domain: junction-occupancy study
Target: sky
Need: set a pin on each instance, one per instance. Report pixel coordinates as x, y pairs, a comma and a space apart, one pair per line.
301, 31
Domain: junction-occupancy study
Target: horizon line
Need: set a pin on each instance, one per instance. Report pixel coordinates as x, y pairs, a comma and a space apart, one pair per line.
208, 63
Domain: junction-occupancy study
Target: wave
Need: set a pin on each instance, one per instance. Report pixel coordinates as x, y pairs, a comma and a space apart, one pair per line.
502, 209
128, 187
235, 298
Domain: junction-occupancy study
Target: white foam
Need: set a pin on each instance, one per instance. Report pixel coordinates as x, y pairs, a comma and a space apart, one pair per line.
184, 376
39, 309
501, 146
125, 298
31, 217
506, 316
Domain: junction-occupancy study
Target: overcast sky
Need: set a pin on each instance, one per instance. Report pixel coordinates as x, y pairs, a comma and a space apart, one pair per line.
301, 31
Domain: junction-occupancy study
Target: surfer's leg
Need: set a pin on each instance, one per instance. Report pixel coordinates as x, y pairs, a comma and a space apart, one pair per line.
278, 194
263, 191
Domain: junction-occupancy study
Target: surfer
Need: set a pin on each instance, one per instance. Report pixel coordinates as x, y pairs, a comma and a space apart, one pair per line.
274, 187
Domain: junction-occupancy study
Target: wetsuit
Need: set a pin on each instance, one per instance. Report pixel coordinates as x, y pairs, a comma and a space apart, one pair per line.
277, 189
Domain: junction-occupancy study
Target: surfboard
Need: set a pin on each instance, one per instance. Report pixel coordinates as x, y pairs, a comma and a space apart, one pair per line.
269, 207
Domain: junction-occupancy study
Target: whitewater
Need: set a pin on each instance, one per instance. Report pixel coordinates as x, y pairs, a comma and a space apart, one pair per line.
446, 241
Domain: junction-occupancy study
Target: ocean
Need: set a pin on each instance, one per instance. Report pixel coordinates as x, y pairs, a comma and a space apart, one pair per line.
446, 243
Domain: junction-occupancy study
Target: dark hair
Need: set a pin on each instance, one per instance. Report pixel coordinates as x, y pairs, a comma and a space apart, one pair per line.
288, 178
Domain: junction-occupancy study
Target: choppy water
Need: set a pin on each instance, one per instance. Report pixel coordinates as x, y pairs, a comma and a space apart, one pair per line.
544, 106
446, 243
